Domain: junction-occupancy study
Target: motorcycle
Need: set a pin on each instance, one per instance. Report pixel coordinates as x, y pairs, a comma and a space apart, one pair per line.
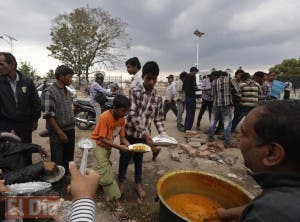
85, 115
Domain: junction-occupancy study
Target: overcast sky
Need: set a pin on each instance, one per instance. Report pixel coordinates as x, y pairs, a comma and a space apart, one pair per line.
254, 34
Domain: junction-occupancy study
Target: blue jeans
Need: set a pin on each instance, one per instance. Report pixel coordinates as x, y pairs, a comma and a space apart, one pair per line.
180, 107
190, 104
137, 159
239, 113
227, 117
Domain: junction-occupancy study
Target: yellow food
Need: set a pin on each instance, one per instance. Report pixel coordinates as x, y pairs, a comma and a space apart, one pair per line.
193, 206
140, 147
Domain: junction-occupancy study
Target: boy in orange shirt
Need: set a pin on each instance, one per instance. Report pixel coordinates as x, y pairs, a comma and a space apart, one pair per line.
111, 123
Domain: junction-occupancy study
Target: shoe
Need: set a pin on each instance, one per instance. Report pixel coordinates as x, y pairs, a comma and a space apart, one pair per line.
211, 139
229, 145
221, 137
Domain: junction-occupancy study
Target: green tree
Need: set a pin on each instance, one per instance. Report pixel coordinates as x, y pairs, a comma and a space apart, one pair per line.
26, 69
50, 74
88, 37
288, 68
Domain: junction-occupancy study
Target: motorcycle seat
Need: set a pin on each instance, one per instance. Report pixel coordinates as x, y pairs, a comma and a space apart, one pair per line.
83, 103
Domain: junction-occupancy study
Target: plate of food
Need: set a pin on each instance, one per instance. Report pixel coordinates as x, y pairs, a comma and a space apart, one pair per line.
56, 176
28, 188
139, 147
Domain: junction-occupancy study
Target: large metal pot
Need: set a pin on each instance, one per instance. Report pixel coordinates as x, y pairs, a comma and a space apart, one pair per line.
227, 193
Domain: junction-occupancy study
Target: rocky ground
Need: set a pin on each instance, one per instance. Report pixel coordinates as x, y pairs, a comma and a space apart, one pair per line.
152, 171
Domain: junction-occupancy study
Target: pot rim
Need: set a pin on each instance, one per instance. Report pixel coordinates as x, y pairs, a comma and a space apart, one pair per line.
199, 172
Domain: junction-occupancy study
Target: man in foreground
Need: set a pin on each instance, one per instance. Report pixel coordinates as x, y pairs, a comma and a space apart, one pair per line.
270, 143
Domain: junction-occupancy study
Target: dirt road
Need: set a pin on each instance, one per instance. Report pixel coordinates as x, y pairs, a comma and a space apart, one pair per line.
153, 170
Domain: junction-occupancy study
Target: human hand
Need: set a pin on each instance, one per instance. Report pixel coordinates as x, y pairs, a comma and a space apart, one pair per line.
231, 213
43, 153
124, 148
34, 126
3, 188
149, 140
90, 183
63, 137
50, 167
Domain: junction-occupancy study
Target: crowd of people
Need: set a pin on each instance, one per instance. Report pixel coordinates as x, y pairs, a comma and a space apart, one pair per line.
227, 99
268, 140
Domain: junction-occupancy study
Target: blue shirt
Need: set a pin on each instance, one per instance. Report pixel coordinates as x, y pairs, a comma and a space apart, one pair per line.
96, 87
277, 88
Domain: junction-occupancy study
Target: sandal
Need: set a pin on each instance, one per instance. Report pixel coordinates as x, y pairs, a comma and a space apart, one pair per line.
120, 213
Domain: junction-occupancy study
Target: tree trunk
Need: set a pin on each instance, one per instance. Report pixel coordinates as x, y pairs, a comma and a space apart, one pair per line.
87, 75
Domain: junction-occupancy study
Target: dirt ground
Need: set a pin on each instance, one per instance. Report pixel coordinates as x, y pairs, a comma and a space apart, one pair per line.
152, 171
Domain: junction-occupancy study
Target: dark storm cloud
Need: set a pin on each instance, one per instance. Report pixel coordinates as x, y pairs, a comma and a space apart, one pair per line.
248, 33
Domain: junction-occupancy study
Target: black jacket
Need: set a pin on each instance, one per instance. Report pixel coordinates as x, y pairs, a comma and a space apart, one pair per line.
28, 108
13, 162
279, 201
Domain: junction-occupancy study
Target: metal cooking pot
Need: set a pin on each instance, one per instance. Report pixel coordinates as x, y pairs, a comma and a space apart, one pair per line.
217, 188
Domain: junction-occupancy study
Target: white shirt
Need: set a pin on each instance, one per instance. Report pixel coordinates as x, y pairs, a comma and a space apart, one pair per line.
288, 86
13, 85
136, 80
171, 91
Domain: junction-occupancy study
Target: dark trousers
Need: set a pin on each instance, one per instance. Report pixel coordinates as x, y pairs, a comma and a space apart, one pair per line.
190, 104
62, 153
22, 130
286, 94
239, 113
137, 159
170, 105
205, 105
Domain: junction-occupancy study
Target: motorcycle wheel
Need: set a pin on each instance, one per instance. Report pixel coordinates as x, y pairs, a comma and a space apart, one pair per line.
83, 115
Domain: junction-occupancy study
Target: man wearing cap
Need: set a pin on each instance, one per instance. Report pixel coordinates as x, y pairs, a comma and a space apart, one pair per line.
189, 87
169, 102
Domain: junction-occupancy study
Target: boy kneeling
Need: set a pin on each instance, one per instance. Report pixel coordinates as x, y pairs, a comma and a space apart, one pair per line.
111, 123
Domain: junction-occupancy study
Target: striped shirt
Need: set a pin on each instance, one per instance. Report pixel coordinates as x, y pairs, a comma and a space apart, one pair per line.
144, 108
249, 93
83, 210
57, 103
222, 90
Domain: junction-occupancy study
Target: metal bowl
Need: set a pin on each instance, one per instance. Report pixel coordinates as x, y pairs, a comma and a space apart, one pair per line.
28, 188
215, 187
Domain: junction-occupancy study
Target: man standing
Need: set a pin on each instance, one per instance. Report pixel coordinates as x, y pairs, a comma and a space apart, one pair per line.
269, 142
146, 106
287, 90
189, 87
223, 89
180, 98
133, 66
169, 102
20, 106
248, 99
207, 99
58, 112
98, 94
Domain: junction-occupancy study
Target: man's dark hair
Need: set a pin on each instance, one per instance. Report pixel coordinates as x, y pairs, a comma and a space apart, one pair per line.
182, 75
134, 61
121, 101
194, 69
214, 74
259, 74
222, 73
150, 68
245, 76
10, 59
239, 71
63, 70
280, 123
